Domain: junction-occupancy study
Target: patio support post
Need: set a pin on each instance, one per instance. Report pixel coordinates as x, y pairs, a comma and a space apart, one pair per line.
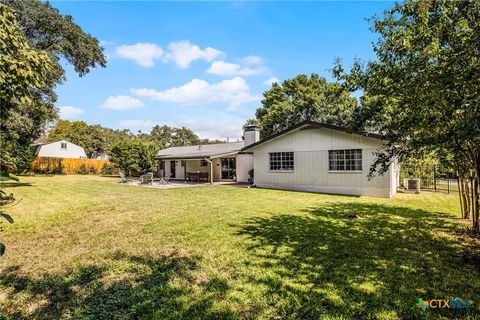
184, 171
210, 162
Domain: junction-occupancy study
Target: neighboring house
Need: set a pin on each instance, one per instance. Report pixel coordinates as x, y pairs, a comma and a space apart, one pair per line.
220, 162
60, 149
322, 158
102, 156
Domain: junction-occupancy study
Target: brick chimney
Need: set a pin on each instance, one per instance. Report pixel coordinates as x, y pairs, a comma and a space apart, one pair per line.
251, 134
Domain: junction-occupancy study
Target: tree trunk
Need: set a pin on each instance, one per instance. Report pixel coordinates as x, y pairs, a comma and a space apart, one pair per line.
463, 193
475, 204
466, 198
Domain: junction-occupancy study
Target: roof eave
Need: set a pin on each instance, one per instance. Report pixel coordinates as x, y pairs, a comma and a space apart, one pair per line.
309, 123
181, 157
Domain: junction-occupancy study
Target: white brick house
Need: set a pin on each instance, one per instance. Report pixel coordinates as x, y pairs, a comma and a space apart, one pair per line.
322, 158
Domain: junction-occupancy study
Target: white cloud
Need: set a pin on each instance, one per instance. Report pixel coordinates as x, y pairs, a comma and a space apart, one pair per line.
234, 92
249, 60
271, 81
223, 68
137, 123
184, 52
142, 53
69, 112
122, 103
214, 127
104, 43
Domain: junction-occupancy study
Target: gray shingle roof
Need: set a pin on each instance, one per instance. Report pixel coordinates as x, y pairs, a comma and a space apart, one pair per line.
200, 151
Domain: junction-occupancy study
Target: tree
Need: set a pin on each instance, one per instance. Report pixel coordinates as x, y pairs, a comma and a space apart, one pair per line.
95, 139
304, 98
46, 32
5, 199
423, 89
133, 156
23, 71
162, 135
184, 137
146, 157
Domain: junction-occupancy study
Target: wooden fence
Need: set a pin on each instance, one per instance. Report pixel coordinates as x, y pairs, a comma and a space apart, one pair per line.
67, 165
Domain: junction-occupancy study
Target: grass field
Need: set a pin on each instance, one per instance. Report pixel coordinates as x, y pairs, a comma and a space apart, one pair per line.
85, 247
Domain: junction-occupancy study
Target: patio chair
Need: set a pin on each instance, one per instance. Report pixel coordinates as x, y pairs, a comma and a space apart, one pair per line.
146, 178
165, 180
124, 178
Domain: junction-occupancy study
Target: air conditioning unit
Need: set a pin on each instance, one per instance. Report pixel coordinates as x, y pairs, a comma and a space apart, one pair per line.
412, 185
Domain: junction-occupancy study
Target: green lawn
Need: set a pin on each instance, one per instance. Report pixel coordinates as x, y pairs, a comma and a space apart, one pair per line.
86, 247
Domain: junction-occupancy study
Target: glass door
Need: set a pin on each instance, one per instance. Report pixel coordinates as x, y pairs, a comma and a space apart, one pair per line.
173, 165
228, 169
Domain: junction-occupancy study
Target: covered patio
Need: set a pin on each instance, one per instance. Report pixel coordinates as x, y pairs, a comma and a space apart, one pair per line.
205, 163
199, 169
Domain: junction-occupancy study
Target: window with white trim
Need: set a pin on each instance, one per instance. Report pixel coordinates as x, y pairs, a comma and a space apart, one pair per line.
203, 163
282, 161
63, 145
345, 160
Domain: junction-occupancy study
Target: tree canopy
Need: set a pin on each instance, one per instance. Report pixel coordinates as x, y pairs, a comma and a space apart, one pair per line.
32, 65
23, 72
98, 140
134, 156
95, 139
422, 92
304, 98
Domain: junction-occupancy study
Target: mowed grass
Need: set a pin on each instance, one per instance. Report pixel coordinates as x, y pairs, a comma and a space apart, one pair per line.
85, 247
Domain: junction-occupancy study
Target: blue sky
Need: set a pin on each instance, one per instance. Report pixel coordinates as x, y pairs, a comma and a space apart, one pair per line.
205, 65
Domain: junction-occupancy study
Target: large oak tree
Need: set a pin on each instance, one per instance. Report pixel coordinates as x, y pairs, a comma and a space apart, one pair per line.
304, 98
58, 37
423, 90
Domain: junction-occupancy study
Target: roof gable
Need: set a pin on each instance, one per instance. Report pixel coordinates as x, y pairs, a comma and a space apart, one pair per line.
311, 124
52, 142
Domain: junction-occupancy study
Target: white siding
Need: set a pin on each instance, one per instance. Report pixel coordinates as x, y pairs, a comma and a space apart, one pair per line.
244, 163
311, 172
54, 149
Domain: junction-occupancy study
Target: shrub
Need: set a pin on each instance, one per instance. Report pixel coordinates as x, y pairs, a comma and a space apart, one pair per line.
132, 156
82, 169
58, 169
109, 169
92, 170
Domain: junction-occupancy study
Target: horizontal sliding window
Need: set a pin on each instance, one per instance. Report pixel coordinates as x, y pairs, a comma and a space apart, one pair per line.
282, 161
345, 160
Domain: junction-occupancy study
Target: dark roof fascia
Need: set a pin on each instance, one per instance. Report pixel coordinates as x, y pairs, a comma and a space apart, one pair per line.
309, 123
181, 158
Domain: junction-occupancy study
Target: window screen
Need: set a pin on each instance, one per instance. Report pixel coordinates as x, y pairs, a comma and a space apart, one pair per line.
281, 161
345, 160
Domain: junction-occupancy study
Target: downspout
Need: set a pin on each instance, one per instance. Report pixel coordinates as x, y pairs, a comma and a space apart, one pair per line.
211, 169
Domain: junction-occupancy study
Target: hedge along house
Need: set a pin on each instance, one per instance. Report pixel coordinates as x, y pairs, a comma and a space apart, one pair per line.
209, 162
317, 157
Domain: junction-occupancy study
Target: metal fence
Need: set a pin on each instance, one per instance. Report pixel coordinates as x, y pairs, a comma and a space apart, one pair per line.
432, 177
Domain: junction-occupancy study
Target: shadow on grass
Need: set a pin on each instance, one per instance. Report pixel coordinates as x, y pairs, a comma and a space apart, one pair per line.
159, 288
322, 264
15, 184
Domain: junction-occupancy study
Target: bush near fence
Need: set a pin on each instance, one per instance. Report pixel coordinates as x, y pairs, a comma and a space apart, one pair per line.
68, 165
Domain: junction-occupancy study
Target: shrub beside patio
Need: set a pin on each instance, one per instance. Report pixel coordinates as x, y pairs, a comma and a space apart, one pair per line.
87, 247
